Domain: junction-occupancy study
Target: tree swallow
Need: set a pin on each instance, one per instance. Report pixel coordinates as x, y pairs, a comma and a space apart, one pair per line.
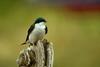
36, 31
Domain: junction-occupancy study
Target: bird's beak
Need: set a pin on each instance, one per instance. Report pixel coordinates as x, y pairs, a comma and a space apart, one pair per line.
45, 21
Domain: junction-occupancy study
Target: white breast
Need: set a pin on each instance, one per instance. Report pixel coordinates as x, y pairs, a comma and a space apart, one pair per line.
38, 33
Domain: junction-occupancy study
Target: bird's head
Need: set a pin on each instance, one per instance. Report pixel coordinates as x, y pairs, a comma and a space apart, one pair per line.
40, 20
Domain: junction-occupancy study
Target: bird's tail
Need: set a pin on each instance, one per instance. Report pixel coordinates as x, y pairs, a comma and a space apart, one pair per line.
23, 43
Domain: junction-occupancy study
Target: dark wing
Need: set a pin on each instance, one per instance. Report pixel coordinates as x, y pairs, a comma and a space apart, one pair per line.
46, 30
30, 30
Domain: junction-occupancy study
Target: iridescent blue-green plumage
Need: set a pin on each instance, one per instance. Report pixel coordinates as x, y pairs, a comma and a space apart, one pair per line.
29, 31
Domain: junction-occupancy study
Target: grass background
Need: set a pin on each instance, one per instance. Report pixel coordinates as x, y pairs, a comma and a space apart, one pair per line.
76, 35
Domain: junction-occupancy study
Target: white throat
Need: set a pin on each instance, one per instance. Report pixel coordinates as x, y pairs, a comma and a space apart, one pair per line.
40, 25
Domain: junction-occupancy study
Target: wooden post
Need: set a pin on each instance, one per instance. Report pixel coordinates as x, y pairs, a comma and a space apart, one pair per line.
40, 55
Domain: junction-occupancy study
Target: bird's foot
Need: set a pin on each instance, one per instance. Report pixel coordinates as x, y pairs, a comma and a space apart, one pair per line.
31, 44
35, 43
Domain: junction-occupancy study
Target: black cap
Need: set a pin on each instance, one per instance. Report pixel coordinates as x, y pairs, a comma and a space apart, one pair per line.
39, 20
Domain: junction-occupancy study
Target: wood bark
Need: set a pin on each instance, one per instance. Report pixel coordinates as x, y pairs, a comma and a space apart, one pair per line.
39, 55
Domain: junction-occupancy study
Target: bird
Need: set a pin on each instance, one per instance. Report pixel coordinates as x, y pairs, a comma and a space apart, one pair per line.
37, 31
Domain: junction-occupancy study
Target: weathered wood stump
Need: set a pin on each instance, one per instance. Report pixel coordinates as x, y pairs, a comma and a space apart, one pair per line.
40, 55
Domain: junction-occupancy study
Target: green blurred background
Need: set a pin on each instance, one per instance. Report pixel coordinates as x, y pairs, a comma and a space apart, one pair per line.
75, 34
